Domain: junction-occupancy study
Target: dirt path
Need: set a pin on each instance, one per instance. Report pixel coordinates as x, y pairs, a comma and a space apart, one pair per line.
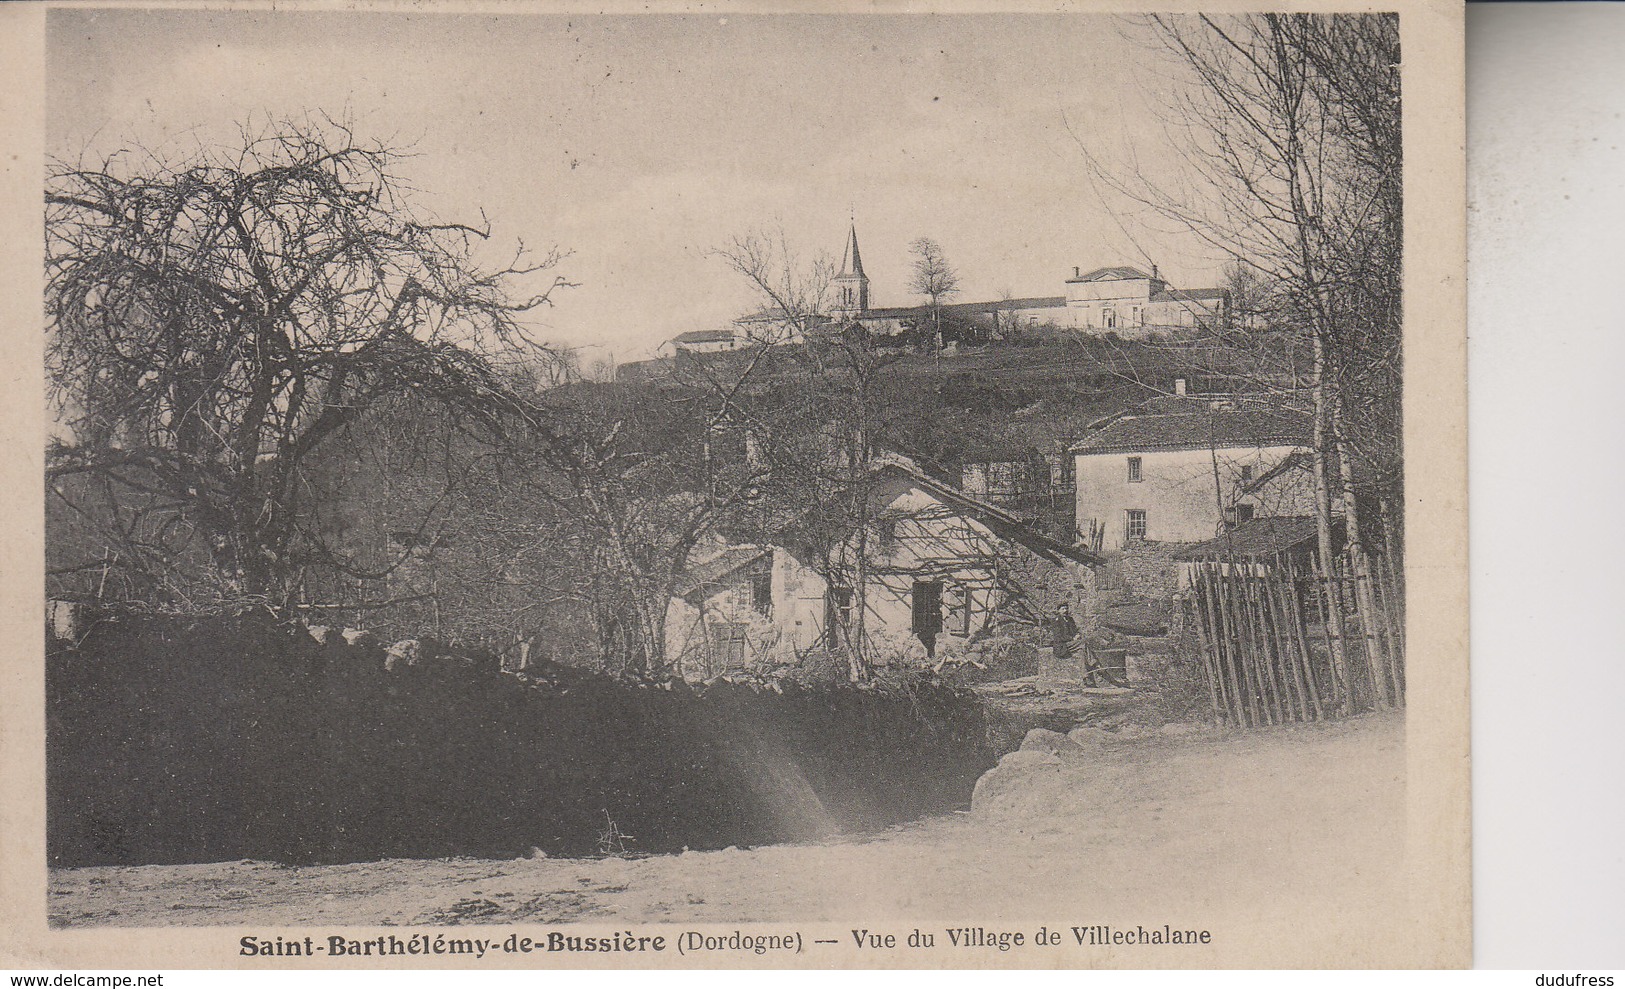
1295, 825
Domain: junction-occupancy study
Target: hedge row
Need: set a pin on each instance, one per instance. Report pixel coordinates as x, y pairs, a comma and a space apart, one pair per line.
194, 741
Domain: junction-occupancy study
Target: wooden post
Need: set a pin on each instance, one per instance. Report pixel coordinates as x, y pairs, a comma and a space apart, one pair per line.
1396, 649
1272, 638
1283, 645
1300, 634
1342, 696
1208, 668
1376, 657
1225, 648
1255, 682
1258, 642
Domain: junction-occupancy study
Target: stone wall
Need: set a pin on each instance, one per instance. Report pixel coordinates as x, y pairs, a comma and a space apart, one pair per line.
1148, 570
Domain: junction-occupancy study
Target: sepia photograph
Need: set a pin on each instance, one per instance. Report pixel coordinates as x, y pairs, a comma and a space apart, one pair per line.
545, 488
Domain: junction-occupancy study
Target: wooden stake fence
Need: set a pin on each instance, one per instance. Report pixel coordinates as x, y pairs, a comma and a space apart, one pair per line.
1266, 662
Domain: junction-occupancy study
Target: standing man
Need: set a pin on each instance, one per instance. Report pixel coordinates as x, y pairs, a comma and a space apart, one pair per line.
1062, 630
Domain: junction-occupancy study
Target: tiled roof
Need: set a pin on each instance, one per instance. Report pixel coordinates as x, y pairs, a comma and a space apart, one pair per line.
893, 312
965, 308
1110, 274
1002, 305
704, 336
775, 314
1173, 422
1256, 539
1301, 460
1188, 295
712, 571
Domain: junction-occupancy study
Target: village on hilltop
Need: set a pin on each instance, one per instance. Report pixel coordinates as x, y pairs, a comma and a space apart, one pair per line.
1001, 525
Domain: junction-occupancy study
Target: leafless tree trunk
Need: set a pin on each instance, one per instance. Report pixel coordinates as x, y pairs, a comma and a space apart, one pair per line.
1288, 143
214, 323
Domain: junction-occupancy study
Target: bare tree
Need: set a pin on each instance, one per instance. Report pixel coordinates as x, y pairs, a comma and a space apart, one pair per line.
1249, 302
633, 480
817, 453
794, 294
217, 321
1288, 145
934, 278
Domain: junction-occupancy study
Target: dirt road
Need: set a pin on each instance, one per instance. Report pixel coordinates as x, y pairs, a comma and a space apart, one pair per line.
1297, 828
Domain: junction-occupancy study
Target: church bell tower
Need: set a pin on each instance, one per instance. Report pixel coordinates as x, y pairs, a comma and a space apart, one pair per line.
851, 286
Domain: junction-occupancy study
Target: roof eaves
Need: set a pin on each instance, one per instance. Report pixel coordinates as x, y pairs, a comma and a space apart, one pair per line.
1004, 524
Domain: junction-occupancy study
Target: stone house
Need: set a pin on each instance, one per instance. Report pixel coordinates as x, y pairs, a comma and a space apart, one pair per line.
1178, 468
744, 606
943, 566
1130, 302
937, 566
701, 342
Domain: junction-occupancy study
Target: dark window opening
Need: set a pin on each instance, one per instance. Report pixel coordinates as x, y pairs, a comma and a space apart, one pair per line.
886, 533
959, 609
1134, 470
761, 591
927, 607
927, 598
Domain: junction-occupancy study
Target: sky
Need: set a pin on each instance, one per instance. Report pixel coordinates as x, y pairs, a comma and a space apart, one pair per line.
641, 144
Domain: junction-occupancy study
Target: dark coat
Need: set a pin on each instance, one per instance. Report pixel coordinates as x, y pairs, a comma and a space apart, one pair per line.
1062, 630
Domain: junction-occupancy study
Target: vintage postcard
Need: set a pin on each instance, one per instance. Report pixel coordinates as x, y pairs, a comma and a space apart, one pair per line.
735, 486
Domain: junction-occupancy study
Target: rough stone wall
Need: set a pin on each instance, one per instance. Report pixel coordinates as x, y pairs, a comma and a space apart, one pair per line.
1148, 570
1043, 586
1145, 574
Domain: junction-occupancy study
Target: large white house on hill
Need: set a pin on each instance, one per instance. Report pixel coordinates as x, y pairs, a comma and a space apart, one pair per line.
1116, 299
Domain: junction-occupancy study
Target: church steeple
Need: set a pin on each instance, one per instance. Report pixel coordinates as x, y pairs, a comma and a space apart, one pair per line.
852, 261
851, 285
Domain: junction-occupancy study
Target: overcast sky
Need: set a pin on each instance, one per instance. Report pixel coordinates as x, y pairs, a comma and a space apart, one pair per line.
642, 143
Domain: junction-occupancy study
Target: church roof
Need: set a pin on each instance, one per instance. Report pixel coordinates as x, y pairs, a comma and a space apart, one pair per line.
852, 261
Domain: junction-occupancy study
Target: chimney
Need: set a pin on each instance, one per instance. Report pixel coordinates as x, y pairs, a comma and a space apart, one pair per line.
1076, 272
1179, 386
1154, 275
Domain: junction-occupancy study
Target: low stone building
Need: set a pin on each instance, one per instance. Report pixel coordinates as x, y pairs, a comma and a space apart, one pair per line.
744, 606
701, 342
932, 569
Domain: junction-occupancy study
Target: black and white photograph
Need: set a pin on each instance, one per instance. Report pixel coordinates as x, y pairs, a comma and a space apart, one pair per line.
533, 488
